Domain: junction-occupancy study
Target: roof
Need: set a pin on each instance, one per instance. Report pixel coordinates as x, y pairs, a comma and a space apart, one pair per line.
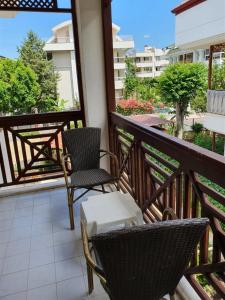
185, 6
149, 120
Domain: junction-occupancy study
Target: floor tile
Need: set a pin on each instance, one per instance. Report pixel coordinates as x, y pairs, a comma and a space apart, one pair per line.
6, 215
41, 229
13, 283
72, 289
41, 257
6, 224
41, 276
18, 247
3, 247
40, 209
18, 296
63, 237
43, 293
41, 242
15, 263
20, 233
66, 251
24, 212
22, 203
68, 268
22, 221
5, 236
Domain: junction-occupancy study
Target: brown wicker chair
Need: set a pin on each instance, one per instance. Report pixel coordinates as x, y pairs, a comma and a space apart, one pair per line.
143, 262
84, 154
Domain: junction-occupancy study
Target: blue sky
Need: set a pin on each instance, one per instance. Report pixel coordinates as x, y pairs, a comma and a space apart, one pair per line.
149, 21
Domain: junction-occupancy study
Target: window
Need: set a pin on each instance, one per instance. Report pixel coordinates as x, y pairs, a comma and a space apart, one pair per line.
49, 55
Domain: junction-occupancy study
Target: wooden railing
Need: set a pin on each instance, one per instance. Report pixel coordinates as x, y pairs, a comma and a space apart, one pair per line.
161, 171
31, 145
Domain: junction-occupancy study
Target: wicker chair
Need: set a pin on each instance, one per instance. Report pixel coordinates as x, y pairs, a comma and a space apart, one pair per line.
83, 147
143, 262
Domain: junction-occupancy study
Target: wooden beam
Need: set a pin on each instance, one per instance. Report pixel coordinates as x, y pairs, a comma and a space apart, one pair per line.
108, 55
210, 68
78, 58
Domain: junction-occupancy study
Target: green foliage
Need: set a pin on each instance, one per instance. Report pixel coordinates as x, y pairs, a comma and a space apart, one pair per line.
32, 54
179, 84
131, 80
147, 89
218, 78
18, 87
199, 103
205, 140
197, 127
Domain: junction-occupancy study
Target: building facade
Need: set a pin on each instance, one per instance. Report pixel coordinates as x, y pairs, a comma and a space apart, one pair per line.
176, 54
60, 48
150, 62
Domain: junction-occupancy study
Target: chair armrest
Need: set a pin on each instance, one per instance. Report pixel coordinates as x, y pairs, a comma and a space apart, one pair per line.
115, 159
64, 160
90, 261
169, 212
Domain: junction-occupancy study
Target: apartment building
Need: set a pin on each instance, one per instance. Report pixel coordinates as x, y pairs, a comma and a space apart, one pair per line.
151, 62
60, 49
176, 54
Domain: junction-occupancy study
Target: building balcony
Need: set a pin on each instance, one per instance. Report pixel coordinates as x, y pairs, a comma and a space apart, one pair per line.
145, 74
119, 83
36, 244
123, 42
144, 64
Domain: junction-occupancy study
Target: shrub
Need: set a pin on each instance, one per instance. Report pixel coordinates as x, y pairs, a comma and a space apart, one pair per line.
197, 127
205, 140
132, 107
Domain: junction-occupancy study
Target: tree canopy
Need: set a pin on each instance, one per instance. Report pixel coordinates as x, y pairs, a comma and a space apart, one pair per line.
19, 88
32, 54
179, 84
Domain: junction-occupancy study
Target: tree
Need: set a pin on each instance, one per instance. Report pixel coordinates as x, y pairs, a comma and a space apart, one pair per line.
18, 87
179, 84
139, 88
131, 79
218, 76
32, 54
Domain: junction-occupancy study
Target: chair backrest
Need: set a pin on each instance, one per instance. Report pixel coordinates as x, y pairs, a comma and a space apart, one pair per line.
83, 144
147, 262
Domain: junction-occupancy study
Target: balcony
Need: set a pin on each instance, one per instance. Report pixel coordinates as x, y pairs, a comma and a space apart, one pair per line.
123, 42
144, 64
159, 171
40, 258
119, 83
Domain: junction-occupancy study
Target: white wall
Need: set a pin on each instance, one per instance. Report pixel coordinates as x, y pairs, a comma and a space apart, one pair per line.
92, 62
62, 62
201, 25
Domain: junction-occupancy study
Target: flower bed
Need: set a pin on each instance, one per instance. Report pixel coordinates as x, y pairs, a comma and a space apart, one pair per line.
134, 107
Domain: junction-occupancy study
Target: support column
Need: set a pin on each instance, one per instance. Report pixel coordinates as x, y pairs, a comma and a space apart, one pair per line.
89, 13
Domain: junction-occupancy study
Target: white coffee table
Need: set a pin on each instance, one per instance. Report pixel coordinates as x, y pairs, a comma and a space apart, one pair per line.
105, 212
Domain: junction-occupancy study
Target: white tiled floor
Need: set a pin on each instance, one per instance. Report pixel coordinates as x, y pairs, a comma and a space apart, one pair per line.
40, 257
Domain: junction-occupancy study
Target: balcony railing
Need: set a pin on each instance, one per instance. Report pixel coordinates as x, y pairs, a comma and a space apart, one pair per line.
31, 145
161, 171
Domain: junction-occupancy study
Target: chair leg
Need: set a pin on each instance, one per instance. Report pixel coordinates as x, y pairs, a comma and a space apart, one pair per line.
90, 279
172, 297
70, 205
103, 188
